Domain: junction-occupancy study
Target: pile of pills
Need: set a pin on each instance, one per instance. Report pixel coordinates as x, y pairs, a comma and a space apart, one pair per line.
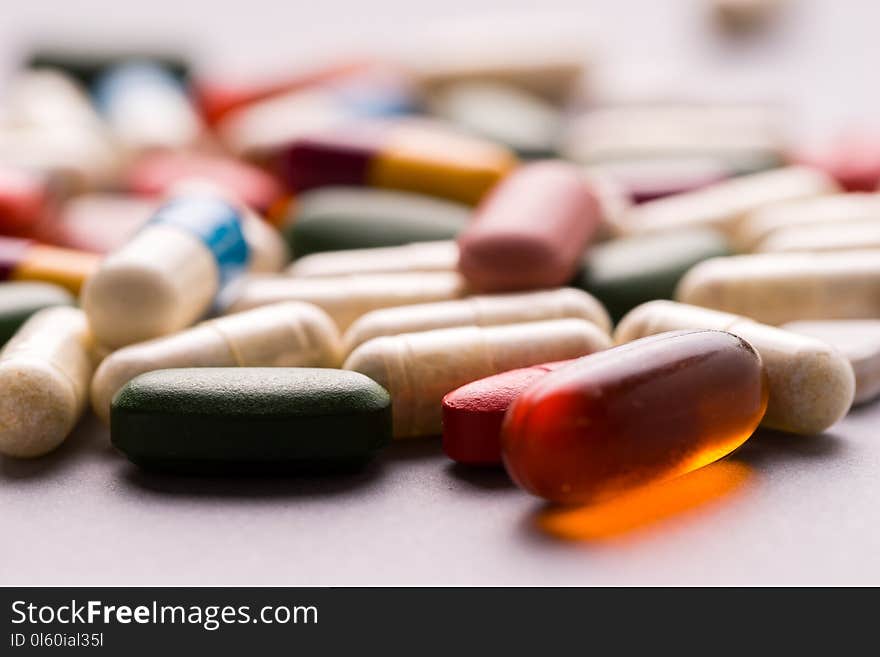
285, 276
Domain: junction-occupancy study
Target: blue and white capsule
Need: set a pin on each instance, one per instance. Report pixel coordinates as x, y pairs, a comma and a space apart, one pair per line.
167, 276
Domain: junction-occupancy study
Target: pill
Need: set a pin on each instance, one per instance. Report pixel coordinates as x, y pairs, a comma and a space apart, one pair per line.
44, 375
418, 369
759, 225
614, 202
647, 179
419, 256
87, 64
859, 341
290, 334
626, 272
146, 108
852, 159
156, 173
573, 437
722, 206
18, 301
836, 236
524, 122
739, 15
167, 276
250, 419
473, 413
531, 231
339, 218
345, 298
99, 222
27, 260
407, 155
480, 310
776, 288
27, 198
811, 384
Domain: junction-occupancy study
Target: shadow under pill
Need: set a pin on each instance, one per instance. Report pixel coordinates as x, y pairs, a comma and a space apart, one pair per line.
483, 477
413, 449
767, 447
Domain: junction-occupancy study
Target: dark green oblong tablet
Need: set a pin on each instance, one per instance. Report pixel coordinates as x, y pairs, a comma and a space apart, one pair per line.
629, 271
243, 419
339, 218
20, 300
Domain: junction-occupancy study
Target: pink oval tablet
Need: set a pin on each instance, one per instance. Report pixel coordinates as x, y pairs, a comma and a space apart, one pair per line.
531, 231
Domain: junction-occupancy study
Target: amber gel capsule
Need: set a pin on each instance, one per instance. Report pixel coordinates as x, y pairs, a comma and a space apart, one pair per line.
649, 410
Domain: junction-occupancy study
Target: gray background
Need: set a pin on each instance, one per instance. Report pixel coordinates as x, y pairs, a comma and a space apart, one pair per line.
782, 510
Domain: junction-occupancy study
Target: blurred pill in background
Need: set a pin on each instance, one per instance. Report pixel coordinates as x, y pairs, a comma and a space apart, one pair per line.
341, 218
27, 260
415, 257
652, 178
20, 300
531, 231
851, 158
27, 198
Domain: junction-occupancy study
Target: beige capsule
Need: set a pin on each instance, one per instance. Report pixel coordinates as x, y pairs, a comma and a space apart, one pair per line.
811, 384
418, 369
44, 378
839, 236
441, 255
291, 334
345, 298
776, 288
762, 223
723, 205
481, 310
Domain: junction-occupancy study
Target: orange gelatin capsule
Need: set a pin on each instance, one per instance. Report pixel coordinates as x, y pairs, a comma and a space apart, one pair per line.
25, 260
646, 411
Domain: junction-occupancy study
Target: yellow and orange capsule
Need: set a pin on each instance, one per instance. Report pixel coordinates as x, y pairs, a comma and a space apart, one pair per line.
26, 260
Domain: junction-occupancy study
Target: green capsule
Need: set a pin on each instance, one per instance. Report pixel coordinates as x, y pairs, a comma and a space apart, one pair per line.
244, 419
338, 218
20, 300
626, 272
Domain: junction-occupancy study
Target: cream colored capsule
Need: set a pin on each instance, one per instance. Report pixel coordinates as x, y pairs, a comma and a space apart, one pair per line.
840, 236
419, 368
419, 256
761, 224
345, 298
724, 204
811, 384
776, 288
44, 380
482, 310
291, 334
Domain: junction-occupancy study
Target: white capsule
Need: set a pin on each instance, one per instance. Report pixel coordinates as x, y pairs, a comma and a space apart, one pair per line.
724, 204
290, 334
417, 369
345, 298
166, 277
419, 256
859, 341
44, 378
811, 384
481, 310
840, 236
760, 225
776, 288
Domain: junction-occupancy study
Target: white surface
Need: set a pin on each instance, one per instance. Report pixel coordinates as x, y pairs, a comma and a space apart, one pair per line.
804, 510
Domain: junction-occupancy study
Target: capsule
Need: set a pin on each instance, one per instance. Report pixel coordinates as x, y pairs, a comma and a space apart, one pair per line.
811, 384
167, 276
345, 298
416, 257
841, 236
99, 222
250, 419
776, 288
761, 224
155, 174
859, 341
146, 107
652, 178
408, 155
722, 206
27, 198
853, 159
573, 437
626, 272
26, 260
18, 301
532, 231
480, 310
342, 218
418, 369
473, 413
44, 375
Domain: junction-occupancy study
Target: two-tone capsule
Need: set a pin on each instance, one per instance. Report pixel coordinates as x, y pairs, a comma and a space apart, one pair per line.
27, 260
